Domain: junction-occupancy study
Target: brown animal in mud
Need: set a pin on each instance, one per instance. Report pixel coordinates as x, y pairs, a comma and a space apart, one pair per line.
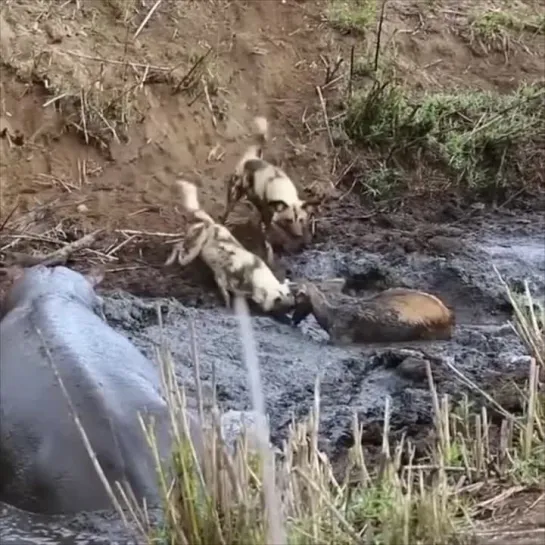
271, 191
394, 315
236, 270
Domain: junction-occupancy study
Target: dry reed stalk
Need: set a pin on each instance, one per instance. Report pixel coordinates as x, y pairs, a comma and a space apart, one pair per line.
276, 532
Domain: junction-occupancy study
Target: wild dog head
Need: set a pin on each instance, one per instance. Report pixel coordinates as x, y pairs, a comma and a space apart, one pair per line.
295, 218
274, 296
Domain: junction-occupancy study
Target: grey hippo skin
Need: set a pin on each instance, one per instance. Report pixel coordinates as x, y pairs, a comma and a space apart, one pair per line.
44, 466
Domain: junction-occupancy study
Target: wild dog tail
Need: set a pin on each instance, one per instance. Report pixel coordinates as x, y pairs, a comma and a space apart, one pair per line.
190, 201
261, 134
255, 150
189, 194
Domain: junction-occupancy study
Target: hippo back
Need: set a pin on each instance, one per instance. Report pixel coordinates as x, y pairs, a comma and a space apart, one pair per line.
44, 466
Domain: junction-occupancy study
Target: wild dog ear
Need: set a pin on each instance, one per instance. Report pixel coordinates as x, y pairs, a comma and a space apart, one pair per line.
309, 207
95, 276
300, 295
292, 285
277, 206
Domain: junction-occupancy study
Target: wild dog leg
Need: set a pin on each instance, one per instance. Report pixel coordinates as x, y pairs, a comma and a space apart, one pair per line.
234, 194
187, 250
221, 281
269, 253
176, 249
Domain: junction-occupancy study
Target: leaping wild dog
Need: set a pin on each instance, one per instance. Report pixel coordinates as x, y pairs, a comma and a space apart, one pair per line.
270, 190
236, 270
394, 315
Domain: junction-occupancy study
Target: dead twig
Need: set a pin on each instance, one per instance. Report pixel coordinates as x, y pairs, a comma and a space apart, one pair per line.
117, 62
8, 217
146, 233
209, 102
379, 34
58, 257
326, 117
118, 247
197, 63
351, 76
331, 68
146, 19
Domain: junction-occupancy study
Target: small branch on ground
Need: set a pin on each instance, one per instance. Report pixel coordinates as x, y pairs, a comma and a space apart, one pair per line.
209, 102
8, 217
58, 257
146, 19
351, 76
187, 77
326, 117
331, 68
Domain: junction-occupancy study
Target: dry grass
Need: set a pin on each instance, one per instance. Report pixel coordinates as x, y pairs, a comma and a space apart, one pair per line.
228, 496
91, 62
356, 16
505, 25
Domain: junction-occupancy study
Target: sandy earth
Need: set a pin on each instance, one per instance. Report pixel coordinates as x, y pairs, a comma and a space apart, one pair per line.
95, 125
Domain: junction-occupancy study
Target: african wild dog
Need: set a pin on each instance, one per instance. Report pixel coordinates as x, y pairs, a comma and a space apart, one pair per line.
236, 270
270, 190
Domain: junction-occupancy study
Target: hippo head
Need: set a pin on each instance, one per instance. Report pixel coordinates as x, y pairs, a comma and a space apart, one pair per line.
27, 285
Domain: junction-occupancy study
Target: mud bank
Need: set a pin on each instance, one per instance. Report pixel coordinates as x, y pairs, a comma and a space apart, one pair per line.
356, 379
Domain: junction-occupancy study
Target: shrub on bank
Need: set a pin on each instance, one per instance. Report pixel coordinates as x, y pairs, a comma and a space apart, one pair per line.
485, 143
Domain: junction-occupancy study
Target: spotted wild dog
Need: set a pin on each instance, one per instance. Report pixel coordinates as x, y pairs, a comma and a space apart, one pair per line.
394, 315
271, 191
236, 270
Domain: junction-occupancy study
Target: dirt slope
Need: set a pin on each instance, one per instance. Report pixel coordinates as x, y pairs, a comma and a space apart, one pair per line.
98, 119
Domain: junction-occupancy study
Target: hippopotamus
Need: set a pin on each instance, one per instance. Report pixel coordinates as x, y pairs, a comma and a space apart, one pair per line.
44, 465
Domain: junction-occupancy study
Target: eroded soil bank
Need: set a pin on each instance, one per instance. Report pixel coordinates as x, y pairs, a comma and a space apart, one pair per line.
454, 262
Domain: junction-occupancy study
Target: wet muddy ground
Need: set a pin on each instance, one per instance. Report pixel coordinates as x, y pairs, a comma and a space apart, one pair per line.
453, 261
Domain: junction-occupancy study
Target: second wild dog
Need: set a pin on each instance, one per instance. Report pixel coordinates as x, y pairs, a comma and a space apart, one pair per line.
236, 270
270, 190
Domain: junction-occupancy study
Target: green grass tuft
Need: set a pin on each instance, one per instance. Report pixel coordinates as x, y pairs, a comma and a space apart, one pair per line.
497, 24
352, 15
486, 143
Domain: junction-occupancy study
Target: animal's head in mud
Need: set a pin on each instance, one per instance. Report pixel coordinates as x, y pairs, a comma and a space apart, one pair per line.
294, 218
272, 295
27, 285
303, 304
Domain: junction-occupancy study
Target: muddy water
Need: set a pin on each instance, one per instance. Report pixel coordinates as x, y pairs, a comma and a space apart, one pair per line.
353, 379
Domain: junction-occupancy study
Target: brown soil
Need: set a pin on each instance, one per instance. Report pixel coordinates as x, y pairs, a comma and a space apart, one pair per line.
518, 520
97, 124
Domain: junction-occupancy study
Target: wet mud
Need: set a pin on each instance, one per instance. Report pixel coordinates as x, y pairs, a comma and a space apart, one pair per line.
454, 263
